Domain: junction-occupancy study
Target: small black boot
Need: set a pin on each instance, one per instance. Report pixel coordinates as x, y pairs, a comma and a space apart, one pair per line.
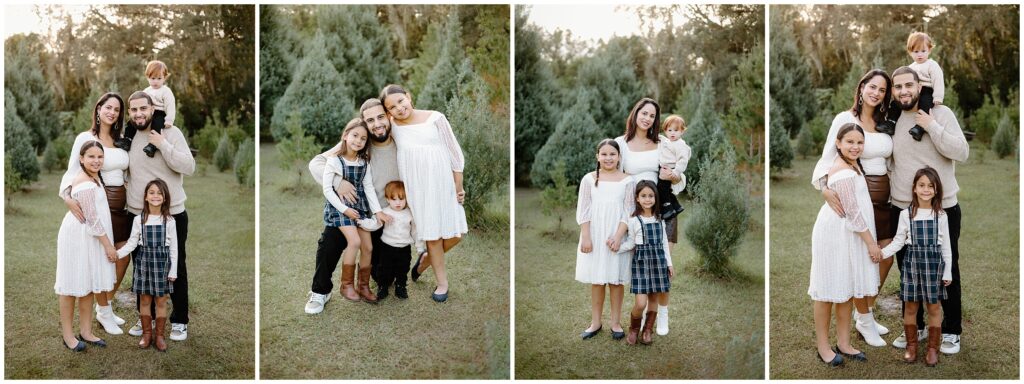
401, 292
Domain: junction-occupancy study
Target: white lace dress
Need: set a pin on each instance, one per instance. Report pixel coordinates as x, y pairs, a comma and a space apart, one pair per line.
428, 153
840, 266
82, 265
603, 206
875, 158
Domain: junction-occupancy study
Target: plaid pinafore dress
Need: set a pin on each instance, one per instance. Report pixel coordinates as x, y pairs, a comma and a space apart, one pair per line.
352, 174
152, 262
922, 265
649, 267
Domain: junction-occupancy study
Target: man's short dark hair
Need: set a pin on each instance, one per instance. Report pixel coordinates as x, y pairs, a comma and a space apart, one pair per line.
905, 70
140, 95
369, 103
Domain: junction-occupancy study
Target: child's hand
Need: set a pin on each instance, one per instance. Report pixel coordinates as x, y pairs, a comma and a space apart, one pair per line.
111, 254
613, 243
586, 246
671, 272
352, 214
171, 279
875, 253
168, 125
383, 217
460, 194
947, 282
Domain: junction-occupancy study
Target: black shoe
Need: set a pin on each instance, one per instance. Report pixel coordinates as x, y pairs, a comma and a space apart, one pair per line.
670, 213
382, 292
98, 343
414, 273
588, 334
439, 297
858, 357
150, 150
836, 361
917, 132
618, 335
887, 127
78, 347
123, 143
401, 292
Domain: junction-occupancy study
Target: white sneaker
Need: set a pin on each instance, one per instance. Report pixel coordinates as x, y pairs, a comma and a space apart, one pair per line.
136, 330
105, 317
866, 327
316, 302
179, 331
661, 323
901, 342
950, 343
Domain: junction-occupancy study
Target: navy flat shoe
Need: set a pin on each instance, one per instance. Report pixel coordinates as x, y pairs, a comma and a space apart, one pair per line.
618, 335
858, 356
836, 361
78, 347
98, 343
439, 297
588, 334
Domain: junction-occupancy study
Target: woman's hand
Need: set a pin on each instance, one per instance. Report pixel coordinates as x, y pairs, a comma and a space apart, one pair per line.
111, 254
352, 214
586, 246
833, 201
75, 209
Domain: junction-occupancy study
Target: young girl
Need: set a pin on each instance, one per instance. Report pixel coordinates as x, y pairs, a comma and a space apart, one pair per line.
85, 251
394, 252
929, 253
163, 102
430, 163
354, 222
156, 263
844, 254
605, 199
651, 267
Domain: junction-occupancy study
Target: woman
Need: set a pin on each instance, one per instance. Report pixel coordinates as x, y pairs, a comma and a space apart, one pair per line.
640, 159
870, 104
107, 124
430, 163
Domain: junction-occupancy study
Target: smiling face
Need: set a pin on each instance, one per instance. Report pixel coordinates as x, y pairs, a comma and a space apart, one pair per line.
872, 92
646, 198
355, 139
906, 90
608, 157
109, 111
141, 113
645, 118
377, 121
924, 189
154, 196
851, 144
398, 105
92, 160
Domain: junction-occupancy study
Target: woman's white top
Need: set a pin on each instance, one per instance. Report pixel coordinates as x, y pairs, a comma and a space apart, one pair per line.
115, 164
874, 158
642, 165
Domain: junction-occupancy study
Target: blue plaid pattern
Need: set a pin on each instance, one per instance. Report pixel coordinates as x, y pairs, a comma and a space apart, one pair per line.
922, 266
152, 262
649, 267
353, 174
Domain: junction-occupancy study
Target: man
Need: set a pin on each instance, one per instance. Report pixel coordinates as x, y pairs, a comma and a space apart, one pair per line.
384, 163
171, 163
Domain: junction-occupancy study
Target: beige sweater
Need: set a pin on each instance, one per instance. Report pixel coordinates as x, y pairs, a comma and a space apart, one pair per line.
171, 163
930, 74
940, 149
163, 99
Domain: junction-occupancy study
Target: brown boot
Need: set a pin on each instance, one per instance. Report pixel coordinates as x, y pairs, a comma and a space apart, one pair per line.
645, 334
364, 286
634, 329
158, 334
147, 331
910, 331
348, 276
934, 340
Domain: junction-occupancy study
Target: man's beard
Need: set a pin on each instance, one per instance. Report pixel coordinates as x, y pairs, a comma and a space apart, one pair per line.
143, 127
381, 138
913, 103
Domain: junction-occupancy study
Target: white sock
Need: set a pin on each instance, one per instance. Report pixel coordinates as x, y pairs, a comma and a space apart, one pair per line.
662, 309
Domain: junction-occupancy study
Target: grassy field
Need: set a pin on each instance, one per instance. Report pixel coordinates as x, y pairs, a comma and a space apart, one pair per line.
716, 327
467, 337
221, 261
989, 263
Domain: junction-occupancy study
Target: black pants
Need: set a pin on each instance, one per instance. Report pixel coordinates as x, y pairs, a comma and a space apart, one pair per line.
665, 195
925, 100
375, 260
157, 123
328, 252
952, 316
393, 264
179, 298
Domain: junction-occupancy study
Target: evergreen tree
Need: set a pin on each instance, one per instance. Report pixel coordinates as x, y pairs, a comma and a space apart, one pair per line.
296, 148
559, 198
445, 77
805, 145
18, 141
986, 119
780, 150
841, 99
33, 97
745, 119
535, 96
359, 46
323, 103
703, 130
13, 182
789, 76
245, 160
51, 160
572, 144
276, 65
224, 155
720, 217
613, 85
1004, 143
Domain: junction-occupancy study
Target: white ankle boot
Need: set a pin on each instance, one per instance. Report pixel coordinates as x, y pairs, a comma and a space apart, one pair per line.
661, 323
105, 316
882, 330
865, 325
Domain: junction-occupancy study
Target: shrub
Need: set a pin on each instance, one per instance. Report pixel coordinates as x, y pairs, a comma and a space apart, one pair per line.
805, 145
559, 198
780, 150
721, 214
1004, 143
222, 158
245, 158
296, 149
50, 159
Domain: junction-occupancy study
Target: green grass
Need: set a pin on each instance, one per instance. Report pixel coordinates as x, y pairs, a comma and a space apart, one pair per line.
716, 327
467, 337
989, 263
221, 261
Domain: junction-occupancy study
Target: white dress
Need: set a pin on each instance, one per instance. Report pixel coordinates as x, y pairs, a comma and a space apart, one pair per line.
115, 163
875, 158
603, 206
642, 165
428, 153
840, 266
82, 265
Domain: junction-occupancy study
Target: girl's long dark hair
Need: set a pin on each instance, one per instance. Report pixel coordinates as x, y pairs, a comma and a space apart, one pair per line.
165, 207
847, 128
353, 124
656, 209
609, 142
115, 129
631, 125
883, 107
932, 176
85, 147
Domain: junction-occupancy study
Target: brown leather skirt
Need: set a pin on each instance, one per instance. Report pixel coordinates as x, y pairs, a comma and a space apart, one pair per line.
120, 219
878, 187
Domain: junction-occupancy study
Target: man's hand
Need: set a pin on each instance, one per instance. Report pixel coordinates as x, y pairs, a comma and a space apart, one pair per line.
923, 119
155, 138
347, 192
75, 209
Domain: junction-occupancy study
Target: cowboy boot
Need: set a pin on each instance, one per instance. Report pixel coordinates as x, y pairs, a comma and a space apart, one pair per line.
147, 331
634, 329
910, 356
645, 335
364, 286
348, 275
158, 334
934, 339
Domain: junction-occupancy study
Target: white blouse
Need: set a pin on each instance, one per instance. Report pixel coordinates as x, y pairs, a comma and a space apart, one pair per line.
903, 238
642, 165
635, 235
115, 164
135, 239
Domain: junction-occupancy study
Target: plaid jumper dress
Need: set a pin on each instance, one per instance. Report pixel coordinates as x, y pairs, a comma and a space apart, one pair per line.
152, 262
353, 174
649, 267
923, 266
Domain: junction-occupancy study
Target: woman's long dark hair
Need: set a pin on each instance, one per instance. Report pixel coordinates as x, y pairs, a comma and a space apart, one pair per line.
883, 107
115, 130
631, 126
609, 142
85, 147
932, 176
847, 128
656, 209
